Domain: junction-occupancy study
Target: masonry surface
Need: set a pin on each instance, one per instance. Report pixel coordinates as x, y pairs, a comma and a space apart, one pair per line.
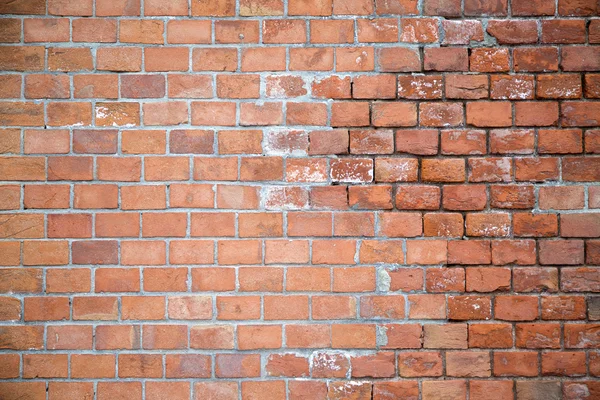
299, 199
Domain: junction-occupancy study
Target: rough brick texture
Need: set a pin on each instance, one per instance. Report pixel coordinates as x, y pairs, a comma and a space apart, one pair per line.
299, 199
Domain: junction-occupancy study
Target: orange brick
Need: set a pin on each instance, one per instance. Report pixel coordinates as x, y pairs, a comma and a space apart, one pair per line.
143, 252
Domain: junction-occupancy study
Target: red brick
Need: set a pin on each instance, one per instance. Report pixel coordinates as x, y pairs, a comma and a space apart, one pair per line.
47, 87
459, 142
22, 58
580, 225
561, 198
469, 252
536, 169
490, 335
61, 7
70, 337
507, 141
516, 308
308, 279
286, 307
119, 390
284, 31
419, 30
427, 306
535, 279
239, 251
194, 195
398, 59
237, 197
490, 169
261, 278
592, 85
155, 390
97, 85
380, 365
268, 113
512, 196
538, 335
443, 224
440, 114
580, 8
580, 169
332, 31
417, 197
211, 337
474, 7
358, 336
400, 224
531, 8
513, 87
563, 307
345, 7
140, 366
469, 308
308, 336
95, 252
388, 307
70, 59
94, 30
520, 252
446, 8
563, 31
43, 196
237, 365
359, 279
45, 366
536, 114
535, 225
513, 32
311, 59
30, 7
261, 169
288, 365
563, 363
90, 308
489, 114
446, 59
446, 336
256, 389
208, 59
468, 364
556, 252
22, 337
580, 336
489, 60
516, 363
413, 364
10, 366
464, 197
223, 169
443, 170
445, 280
487, 279
46, 308
461, 31
535, 59
235, 31
355, 59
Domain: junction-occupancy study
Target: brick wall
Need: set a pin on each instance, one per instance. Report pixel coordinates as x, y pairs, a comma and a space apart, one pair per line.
300, 199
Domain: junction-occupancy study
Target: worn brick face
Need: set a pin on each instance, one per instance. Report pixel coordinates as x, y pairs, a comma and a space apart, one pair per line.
299, 199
